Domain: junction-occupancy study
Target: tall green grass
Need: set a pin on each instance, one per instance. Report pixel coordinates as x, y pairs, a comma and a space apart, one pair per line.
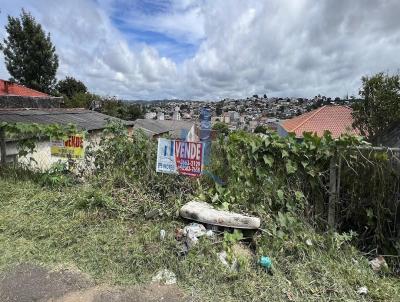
88, 226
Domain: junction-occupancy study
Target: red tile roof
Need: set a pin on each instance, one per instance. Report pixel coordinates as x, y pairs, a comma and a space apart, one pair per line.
336, 119
9, 88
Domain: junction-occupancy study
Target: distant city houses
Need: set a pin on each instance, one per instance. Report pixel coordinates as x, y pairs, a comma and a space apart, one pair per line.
245, 114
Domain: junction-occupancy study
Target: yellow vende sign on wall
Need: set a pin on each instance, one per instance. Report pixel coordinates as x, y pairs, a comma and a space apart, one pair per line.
70, 148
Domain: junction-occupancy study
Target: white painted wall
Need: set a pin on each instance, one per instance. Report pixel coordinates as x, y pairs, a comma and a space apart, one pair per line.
42, 159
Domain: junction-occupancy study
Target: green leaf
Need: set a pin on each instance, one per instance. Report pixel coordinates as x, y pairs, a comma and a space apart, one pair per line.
282, 220
268, 160
280, 194
280, 234
215, 198
260, 172
284, 153
291, 167
254, 146
299, 195
225, 206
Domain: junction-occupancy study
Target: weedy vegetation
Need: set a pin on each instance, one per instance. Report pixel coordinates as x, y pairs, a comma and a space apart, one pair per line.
98, 222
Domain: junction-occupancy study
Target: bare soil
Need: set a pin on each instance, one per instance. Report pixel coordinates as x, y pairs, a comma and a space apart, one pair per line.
33, 283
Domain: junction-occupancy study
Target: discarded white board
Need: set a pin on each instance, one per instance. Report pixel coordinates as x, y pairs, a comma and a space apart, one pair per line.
205, 213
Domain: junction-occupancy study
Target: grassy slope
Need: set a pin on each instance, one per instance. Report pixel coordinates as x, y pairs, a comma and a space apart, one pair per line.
46, 226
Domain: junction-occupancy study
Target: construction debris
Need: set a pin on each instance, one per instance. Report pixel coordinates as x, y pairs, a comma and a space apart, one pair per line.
378, 264
362, 291
193, 231
164, 277
162, 234
205, 213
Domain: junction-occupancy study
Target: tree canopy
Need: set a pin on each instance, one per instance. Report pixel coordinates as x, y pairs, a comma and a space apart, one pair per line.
123, 110
70, 86
221, 128
379, 108
29, 54
218, 109
261, 129
81, 100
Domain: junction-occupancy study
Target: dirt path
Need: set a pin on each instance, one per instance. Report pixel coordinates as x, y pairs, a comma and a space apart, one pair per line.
32, 283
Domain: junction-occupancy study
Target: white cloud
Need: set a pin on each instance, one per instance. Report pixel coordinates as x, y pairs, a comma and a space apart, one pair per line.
295, 47
288, 48
183, 20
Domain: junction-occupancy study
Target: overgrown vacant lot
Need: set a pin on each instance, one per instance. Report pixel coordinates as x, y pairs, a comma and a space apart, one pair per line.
78, 227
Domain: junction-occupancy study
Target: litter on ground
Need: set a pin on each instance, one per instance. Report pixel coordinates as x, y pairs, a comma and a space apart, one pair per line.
162, 234
191, 234
266, 262
205, 213
378, 264
362, 291
165, 277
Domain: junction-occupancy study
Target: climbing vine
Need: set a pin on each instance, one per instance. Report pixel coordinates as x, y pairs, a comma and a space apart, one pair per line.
28, 134
289, 178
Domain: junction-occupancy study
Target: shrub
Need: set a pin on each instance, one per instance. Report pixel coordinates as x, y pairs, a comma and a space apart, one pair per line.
133, 159
289, 179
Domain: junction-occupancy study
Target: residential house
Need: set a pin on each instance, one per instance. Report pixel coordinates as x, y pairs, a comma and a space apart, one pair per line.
176, 116
253, 125
171, 128
91, 122
234, 116
335, 119
19, 104
13, 95
160, 116
150, 115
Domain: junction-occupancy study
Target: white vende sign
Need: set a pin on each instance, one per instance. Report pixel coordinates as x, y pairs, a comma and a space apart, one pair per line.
166, 156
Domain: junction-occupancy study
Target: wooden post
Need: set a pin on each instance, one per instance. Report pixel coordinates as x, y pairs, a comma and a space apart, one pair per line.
3, 151
332, 193
149, 168
339, 172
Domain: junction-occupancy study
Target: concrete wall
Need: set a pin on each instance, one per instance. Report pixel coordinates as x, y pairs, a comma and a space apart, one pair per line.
9, 101
42, 159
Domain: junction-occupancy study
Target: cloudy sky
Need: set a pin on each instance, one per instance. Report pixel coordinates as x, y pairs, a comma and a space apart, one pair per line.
212, 49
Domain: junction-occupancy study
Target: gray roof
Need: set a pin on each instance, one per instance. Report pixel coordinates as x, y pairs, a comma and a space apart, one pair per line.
83, 119
156, 127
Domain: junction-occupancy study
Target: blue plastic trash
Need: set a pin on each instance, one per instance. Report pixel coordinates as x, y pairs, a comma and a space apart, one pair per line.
265, 262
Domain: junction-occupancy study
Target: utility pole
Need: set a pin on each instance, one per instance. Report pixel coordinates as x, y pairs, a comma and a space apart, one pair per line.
333, 193
3, 146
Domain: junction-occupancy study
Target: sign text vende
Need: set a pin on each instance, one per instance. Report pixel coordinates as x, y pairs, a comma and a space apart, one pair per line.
188, 157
